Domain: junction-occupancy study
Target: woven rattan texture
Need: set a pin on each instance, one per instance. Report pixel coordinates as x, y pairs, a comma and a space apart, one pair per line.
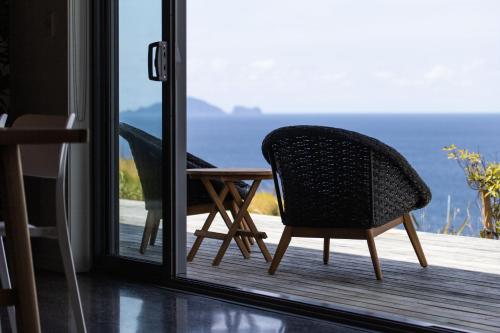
331, 177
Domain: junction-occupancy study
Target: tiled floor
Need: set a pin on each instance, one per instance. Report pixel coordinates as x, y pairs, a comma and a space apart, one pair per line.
113, 306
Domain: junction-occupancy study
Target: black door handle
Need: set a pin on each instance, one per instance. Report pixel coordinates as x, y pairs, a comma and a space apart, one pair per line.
159, 61
151, 47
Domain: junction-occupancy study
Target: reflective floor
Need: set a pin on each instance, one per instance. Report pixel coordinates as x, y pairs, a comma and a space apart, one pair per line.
112, 305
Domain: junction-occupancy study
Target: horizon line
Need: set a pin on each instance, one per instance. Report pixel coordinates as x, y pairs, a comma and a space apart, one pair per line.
319, 113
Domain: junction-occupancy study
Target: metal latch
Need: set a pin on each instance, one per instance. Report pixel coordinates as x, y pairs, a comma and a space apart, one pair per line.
159, 60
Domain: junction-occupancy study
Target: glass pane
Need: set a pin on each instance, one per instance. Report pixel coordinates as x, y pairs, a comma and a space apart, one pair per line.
140, 133
417, 75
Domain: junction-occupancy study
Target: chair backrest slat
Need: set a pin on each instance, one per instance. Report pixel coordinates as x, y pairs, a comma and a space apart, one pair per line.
44, 161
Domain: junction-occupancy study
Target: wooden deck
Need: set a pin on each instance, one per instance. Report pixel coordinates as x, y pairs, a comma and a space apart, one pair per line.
460, 288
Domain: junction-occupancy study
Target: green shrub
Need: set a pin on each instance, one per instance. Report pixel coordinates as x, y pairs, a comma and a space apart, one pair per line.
130, 185
264, 203
484, 177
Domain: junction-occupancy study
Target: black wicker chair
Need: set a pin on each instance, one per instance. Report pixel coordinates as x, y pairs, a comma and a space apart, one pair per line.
334, 183
147, 153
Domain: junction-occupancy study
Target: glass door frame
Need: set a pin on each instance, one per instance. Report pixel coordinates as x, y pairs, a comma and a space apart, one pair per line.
104, 204
105, 144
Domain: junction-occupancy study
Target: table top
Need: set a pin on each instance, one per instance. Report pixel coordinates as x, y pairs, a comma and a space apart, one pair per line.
231, 173
14, 136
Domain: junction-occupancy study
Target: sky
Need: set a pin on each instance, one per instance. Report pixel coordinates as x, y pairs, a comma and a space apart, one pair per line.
326, 56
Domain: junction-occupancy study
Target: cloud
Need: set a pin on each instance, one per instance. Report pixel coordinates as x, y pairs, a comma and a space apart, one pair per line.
396, 79
405, 82
334, 77
263, 64
217, 64
474, 66
384, 75
439, 73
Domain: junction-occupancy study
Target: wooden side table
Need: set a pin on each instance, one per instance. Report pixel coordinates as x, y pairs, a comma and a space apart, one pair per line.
23, 294
242, 228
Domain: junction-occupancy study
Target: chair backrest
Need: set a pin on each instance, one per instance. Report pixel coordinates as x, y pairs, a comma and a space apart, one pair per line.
325, 175
147, 153
44, 161
3, 120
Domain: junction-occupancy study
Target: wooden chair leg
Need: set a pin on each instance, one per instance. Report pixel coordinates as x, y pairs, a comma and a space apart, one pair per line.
17, 232
6, 284
326, 251
70, 273
415, 242
157, 220
148, 230
286, 237
373, 253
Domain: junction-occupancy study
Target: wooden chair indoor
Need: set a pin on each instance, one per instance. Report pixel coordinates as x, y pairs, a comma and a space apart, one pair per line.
48, 162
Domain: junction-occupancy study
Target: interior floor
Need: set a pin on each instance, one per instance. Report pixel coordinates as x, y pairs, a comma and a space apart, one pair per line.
113, 306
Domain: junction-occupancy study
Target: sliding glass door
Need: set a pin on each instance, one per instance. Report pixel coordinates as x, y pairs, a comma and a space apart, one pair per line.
142, 66
140, 130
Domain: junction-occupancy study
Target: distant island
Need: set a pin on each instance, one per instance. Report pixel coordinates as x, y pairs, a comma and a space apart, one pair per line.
198, 107
195, 108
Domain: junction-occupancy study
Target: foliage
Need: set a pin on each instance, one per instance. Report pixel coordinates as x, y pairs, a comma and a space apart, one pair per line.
452, 215
482, 176
264, 203
130, 185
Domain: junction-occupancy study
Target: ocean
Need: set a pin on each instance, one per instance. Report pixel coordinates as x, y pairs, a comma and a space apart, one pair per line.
235, 141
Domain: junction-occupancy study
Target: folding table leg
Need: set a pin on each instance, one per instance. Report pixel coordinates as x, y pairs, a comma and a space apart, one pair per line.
244, 226
236, 224
230, 224
247, 228
208, 222
234, 192
246, 239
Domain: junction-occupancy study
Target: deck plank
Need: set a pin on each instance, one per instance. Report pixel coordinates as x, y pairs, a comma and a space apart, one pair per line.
459, 289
